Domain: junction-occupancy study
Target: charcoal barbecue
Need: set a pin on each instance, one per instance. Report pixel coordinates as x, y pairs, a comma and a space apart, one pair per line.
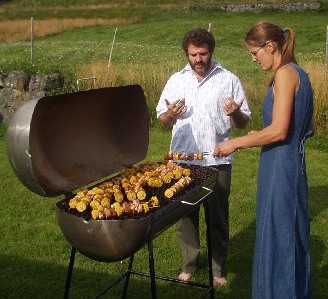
59, 144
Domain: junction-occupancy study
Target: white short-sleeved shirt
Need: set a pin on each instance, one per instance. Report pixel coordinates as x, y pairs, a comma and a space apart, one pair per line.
204, 124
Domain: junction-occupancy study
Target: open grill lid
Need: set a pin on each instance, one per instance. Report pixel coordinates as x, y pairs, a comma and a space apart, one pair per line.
60, 143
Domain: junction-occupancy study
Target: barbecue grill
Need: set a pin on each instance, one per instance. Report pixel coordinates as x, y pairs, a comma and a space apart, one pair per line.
59, 144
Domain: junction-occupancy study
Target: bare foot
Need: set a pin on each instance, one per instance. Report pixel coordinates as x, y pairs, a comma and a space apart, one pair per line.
219, 281
184, 276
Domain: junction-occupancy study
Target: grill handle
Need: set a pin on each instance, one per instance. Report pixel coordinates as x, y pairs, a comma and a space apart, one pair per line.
200, 200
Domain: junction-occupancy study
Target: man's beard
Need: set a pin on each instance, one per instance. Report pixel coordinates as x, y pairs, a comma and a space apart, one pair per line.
204, 67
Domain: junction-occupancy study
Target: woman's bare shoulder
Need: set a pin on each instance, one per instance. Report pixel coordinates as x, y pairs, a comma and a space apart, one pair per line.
287, 75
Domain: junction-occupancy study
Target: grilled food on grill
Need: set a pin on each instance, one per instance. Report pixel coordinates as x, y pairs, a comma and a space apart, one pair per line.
177, 187
126, 193
184, 156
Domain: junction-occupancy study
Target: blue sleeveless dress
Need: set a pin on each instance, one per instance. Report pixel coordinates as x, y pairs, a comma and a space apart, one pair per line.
281, 267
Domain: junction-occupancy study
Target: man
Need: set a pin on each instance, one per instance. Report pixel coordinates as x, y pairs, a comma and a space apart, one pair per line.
201, 103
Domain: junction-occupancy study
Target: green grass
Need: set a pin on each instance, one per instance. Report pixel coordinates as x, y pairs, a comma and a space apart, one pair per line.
34, 254
157, 38
156, 41
153, 41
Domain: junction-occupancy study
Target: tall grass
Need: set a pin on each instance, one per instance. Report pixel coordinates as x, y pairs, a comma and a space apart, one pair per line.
20, 30
153, 80
319, 77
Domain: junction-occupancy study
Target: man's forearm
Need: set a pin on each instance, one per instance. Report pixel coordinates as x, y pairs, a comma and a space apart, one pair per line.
239, 119
167, 119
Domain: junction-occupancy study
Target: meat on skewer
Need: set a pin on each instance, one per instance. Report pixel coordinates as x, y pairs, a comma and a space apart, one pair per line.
184, 156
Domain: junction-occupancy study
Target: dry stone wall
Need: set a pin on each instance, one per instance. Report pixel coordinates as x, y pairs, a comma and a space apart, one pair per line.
257, 7
18, 87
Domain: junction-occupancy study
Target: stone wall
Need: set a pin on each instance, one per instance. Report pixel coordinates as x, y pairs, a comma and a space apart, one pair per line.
257, 7
18, 87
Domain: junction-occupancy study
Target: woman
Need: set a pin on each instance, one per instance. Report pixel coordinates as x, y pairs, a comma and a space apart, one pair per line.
281, 267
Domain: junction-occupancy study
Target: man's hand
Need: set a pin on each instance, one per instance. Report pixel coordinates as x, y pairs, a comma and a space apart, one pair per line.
176, 108
232, 109
230, 106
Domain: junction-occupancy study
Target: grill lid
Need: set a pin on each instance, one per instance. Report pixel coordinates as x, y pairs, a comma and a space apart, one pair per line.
60, 143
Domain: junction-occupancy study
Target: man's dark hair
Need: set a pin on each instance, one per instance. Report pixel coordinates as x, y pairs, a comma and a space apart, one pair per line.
198, 37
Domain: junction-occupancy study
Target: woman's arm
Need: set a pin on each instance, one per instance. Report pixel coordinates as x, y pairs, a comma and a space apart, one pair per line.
286, 82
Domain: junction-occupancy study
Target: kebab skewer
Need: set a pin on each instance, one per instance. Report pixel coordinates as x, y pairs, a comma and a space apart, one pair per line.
185, 156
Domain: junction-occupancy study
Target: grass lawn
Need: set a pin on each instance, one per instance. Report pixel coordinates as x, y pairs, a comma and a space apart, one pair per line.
34, 254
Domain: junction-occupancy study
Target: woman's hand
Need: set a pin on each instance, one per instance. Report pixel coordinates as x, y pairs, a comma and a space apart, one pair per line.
225, 148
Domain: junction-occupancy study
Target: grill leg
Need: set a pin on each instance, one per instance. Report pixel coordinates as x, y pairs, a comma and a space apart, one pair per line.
209, 248
127, 277
152, 269
69, 273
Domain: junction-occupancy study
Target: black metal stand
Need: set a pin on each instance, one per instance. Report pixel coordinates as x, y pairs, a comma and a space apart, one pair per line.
209, 289
69, 272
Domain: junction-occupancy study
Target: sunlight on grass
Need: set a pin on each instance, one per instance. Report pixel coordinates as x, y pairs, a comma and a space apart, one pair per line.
20, 30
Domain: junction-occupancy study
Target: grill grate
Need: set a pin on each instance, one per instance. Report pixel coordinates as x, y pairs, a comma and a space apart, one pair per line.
199, 175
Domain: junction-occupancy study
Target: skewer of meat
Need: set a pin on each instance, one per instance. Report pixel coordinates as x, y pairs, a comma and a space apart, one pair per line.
185, 156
